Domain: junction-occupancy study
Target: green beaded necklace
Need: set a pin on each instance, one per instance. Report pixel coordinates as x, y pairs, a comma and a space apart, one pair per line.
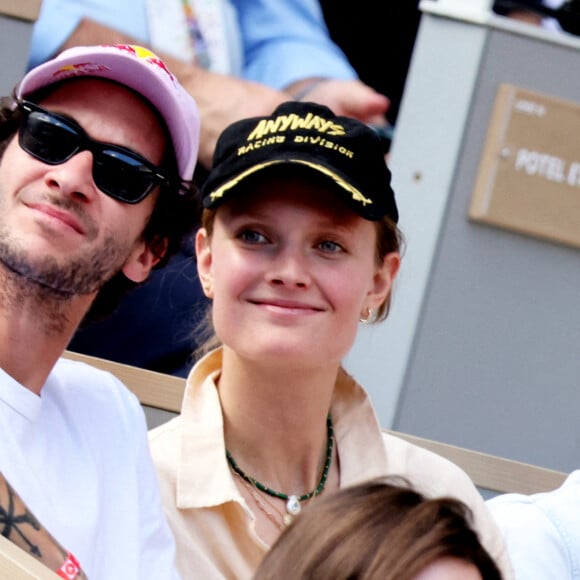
293, 506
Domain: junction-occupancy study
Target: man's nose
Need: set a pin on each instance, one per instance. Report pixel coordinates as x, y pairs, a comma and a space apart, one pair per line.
74, 177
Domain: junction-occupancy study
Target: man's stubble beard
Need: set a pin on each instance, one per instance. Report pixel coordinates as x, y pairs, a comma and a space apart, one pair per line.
51, 279
47, 286
84, 274
79, 276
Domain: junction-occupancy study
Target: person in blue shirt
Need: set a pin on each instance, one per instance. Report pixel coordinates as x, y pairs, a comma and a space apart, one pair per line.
542, 531
261, 52
238, 58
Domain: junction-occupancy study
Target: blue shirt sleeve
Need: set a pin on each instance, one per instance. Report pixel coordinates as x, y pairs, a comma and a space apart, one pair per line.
58, 19
283, 40
541, 531
286, 41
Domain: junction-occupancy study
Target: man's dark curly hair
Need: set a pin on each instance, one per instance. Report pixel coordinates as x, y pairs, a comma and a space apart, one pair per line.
175, 217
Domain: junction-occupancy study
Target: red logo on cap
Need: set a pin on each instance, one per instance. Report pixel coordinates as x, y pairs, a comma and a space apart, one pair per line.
127, 48
82, 68
145, 54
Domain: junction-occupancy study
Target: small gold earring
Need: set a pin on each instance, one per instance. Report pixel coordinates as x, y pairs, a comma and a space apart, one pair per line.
368, 316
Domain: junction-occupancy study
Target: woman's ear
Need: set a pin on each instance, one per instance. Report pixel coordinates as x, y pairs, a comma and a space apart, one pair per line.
383, 280
204, 261
143, 259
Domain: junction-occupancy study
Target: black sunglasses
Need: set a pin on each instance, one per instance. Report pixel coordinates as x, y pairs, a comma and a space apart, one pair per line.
117, 171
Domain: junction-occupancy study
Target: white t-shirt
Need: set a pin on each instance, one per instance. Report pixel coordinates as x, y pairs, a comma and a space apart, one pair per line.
78, 456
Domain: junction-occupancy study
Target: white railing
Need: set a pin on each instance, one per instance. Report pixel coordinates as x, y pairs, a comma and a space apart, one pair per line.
470, 10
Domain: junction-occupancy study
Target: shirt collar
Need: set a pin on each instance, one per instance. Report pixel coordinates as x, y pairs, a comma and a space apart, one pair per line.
204, 478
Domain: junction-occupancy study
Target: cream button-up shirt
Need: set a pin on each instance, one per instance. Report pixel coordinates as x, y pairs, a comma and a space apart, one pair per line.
213, 526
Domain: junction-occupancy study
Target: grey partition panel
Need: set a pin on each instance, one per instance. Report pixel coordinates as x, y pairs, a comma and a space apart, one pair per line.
423, 157
15, 37
495, 363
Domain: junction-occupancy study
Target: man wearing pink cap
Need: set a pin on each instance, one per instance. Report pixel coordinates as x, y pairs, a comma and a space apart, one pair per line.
97, 152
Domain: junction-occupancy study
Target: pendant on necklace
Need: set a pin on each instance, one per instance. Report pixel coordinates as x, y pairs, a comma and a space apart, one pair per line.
293, 506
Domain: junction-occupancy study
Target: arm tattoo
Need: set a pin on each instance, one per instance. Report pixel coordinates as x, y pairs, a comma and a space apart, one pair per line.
19, 525
17, 521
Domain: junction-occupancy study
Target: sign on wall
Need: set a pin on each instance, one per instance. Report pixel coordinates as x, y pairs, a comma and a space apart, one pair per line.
529, 174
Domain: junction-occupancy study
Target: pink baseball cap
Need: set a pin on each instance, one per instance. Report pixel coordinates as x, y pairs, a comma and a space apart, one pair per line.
138, 69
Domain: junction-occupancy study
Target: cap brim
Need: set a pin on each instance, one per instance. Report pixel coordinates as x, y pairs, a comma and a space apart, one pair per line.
359, 202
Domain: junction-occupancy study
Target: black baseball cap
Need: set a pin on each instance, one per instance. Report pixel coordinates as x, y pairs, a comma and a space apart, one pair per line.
347, 152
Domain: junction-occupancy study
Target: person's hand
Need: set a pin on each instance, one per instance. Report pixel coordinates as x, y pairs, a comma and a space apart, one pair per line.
350, 98
224, 99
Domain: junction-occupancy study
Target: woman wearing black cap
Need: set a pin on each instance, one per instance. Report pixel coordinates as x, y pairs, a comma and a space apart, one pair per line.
299, 245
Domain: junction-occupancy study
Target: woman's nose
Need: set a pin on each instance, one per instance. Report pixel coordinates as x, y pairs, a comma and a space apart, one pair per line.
290, 268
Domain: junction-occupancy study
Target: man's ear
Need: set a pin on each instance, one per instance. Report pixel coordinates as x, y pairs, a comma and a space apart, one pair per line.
203, 258
144, 257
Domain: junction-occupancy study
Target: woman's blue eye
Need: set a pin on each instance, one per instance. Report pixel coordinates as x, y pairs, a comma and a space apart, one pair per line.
252, 237
329, 246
